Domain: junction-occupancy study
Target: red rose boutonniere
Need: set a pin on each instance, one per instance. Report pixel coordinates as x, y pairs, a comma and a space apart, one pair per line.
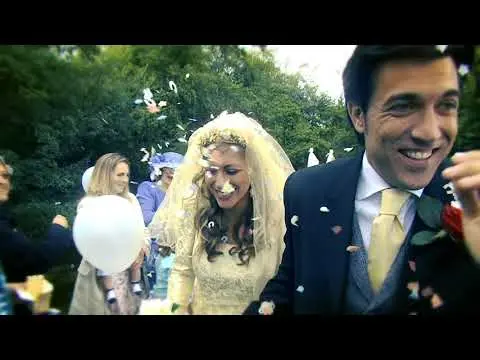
445, 222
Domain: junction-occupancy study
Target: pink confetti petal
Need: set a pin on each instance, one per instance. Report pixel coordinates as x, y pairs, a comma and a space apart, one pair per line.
337, 229
428, 291
436, 301
412, 266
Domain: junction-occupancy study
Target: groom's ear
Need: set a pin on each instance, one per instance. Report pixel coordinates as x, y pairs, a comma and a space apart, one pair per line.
358, 117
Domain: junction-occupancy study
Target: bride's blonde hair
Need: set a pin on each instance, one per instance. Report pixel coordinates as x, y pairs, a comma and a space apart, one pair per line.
268, 168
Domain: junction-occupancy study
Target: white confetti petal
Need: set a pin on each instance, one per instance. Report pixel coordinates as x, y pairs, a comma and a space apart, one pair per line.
330, 156
146, 156
194, 120
58, 203
204, 163
300, 289
162, 104
348, 149
256, 218
167, 143
105, 121
138, 101
324, 209
172, 86
147, 95
162, 117
182, 140
180, 127
294, 220
187, 76
159, 146
211, 116
134, 182
178, 103
352, 248
227, 188
463, 70
441, 48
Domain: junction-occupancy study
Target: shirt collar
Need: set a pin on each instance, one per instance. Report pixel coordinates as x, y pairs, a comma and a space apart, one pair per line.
371, 182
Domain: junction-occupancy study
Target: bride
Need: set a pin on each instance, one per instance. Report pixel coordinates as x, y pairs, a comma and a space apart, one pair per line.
224, 216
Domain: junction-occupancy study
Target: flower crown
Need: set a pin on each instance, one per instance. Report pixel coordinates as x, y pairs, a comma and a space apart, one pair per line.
225, 135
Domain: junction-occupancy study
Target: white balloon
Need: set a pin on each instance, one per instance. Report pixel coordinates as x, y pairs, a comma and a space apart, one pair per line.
108, 232
87, 175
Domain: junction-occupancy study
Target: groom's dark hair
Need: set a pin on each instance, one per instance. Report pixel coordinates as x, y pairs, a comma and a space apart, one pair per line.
360, 74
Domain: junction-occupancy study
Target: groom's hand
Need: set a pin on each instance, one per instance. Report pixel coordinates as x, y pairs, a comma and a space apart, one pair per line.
465, 176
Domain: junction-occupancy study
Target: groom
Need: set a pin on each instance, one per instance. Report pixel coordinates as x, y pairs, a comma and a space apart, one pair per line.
350, 222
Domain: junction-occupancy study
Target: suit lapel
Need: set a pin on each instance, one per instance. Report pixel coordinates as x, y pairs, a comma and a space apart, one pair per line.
337, 234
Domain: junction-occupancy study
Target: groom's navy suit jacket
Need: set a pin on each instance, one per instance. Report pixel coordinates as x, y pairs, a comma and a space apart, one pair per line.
312, 277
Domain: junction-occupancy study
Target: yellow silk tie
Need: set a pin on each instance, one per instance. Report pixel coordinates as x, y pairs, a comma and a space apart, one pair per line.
387, 236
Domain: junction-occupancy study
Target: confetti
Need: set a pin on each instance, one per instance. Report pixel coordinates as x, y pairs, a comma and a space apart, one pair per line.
187, 76
105, 121
441, 48
147, 94
224, 239
300, 289
463, 70
162, 117
294, 220
235, 148
266, 308
337, 229
138, 101
182, 140
256, 218
348, 149
159, 146
211, 116
250, 113
312, 159
134, 182
146, 156
194, 120
324, 209
227, 188
204, 163
172, 86
162, 104
352, 248
413, 287
211, 225
180, 127
152, 152
330, 156
412, 265
153, 108
436, 301
167, 143
427, 292
58, 203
